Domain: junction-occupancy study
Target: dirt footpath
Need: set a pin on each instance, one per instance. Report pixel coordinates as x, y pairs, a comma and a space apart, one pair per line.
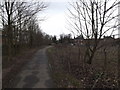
35, 74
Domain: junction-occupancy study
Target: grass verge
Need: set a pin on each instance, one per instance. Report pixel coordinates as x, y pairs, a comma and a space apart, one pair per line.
61, 78
69, 71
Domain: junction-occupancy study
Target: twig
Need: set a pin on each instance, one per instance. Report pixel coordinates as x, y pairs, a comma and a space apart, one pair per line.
96, 81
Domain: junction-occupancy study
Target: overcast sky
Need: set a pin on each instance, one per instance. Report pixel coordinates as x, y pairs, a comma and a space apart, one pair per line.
55, 17
55, 22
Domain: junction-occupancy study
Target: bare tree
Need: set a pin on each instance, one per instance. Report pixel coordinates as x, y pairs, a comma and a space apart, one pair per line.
15, 18
119, 48
93, 19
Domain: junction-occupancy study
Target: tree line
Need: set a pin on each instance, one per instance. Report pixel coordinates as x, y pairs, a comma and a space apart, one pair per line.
63, 39
20, 27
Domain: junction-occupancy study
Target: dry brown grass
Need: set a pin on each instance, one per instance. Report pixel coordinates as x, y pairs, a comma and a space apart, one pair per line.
65, 60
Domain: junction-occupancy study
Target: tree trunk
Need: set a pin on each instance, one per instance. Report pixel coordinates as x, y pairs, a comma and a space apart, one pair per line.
105, 60
9, 38
119, 64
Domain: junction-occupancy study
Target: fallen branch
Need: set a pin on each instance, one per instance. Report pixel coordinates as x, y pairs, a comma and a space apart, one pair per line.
97, 80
